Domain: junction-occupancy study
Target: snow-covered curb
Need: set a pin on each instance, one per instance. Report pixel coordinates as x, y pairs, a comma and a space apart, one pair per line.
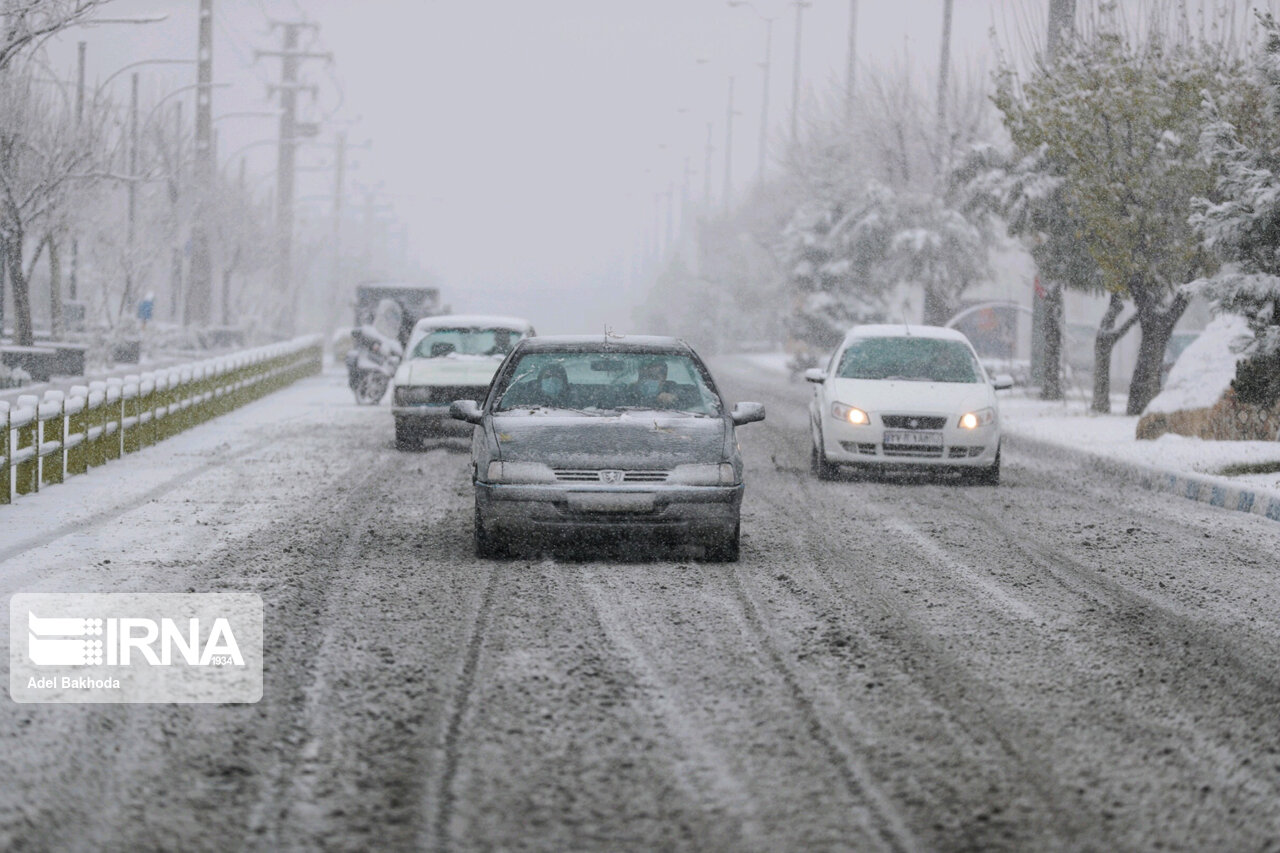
1215, 491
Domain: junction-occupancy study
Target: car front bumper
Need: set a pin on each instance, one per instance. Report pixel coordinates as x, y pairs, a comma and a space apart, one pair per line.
864, 445
561, 508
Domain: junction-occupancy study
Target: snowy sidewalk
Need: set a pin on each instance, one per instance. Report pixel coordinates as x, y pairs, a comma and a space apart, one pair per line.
1220, 473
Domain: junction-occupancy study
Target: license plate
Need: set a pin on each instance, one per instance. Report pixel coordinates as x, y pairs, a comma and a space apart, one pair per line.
604, 502
912, 437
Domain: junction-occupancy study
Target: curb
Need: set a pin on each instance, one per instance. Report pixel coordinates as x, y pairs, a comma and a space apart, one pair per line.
1202, 488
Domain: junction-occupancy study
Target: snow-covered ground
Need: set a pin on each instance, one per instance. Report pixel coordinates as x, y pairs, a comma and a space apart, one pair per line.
1070, 424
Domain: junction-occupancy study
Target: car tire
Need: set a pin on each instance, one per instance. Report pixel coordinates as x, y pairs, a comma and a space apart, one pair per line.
408, 436
489, 545
989, 476
371, 388
818, 464
725, 547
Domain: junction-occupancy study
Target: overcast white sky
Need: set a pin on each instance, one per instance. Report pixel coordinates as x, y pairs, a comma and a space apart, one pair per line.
522, 142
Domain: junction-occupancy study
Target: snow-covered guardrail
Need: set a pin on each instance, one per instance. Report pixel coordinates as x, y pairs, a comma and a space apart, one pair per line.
45, 440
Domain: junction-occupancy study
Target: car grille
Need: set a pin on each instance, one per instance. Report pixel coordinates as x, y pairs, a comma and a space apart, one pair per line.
862, 447
913, 421
591, 475
419, 395
449, 393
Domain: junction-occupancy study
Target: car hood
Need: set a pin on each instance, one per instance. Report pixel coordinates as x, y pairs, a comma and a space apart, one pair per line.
632, 441
912, 398
459, 370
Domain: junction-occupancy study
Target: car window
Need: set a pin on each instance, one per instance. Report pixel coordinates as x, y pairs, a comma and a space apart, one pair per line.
440, 343
914, 359
607, 383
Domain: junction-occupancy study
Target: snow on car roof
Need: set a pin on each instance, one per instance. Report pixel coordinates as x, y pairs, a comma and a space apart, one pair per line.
898, 330
647, 343
472, 321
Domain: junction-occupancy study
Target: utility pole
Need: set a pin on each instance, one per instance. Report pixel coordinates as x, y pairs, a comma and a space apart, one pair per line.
764, 100
706, 171
133, 191
198, 306
944, 70
288, 89
339, 181
800, 5
1046, 301
852, 63
728, 151
670, 196
75, 238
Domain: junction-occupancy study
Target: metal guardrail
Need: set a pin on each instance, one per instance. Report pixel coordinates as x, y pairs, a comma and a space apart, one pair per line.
45, 440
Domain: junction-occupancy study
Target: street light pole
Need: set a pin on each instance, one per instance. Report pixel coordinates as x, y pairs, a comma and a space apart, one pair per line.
75, 238
764, 100
133, 192
199, 302
851, 69
800, 5
728, 150
706, 171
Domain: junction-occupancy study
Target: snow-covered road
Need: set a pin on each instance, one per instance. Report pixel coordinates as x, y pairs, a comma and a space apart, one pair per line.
1059, 662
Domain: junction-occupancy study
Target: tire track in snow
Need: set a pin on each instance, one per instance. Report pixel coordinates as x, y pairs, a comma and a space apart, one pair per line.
888, 822
461, 702
610, 616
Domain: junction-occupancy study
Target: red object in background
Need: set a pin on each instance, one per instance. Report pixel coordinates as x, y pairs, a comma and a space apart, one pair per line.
1040, 291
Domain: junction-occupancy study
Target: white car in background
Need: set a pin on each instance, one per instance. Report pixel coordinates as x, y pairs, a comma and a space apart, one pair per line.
906, 397
449, 357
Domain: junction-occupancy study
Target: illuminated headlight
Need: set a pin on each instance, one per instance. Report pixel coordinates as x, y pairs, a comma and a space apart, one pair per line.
412, 395
973, 420
520, 472
706, 474
849, 414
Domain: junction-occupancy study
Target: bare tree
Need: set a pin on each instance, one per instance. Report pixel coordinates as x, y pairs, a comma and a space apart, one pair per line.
28, 22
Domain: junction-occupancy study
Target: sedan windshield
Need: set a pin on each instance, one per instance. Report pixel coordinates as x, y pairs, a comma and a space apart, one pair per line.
914, 359
440, 343
603, 383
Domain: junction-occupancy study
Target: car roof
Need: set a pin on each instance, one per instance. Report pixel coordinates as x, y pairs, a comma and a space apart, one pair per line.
466, 321
603, 343
902, 330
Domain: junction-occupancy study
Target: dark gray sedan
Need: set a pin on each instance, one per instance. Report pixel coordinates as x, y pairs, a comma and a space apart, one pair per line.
606, 433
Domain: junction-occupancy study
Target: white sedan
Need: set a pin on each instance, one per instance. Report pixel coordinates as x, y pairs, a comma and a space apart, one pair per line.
450, 357
906, 397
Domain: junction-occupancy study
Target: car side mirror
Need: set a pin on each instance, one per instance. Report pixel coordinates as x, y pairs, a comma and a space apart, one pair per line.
466, 410
1002, 382
815, 375
747, 413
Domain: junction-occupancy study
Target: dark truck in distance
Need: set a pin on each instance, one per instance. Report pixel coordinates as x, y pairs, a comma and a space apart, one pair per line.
415, 300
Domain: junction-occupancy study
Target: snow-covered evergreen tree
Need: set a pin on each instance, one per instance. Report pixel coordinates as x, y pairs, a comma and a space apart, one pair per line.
1242, 140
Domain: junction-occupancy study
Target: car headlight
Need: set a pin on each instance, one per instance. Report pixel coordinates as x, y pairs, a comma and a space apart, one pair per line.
412, 395
704, 474
973, 420
850, 414
520, 472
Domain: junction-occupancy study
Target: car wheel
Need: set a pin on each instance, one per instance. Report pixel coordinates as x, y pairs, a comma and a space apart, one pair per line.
989, 476
488, 543
371, 389
818, 464
408, 436
724, 548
